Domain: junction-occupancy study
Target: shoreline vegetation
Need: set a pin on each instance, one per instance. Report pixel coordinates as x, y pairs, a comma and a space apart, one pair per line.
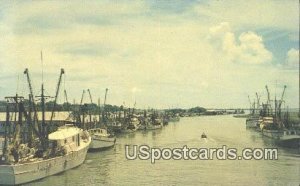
68, 107
93, 109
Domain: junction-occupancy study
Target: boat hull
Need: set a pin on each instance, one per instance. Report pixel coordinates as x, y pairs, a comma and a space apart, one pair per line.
290, 143
274, 134
102, 144
154, 127
28, 172
150, 127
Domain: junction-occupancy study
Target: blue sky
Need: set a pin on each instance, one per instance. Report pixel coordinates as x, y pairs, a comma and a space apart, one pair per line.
158, 53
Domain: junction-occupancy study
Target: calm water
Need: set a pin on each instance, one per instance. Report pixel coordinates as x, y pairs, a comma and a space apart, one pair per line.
112, 168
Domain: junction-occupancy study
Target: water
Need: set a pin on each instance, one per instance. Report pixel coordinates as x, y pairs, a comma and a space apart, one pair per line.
112, 168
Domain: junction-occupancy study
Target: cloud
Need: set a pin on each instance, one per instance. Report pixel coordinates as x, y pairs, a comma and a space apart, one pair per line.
292, 60
249, 49
160, 54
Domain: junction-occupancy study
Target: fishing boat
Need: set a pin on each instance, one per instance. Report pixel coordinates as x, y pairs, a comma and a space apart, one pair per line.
133, 124
67, 149
277, 128
35, 150
152, 125
150, 122
252, 122
101, 139
116, 126
281, 135
253, 119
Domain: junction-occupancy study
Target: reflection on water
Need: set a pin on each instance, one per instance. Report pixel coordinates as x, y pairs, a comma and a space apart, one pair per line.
111, 167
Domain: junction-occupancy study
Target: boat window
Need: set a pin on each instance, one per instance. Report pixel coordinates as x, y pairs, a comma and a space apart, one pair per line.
65, 141
73, 138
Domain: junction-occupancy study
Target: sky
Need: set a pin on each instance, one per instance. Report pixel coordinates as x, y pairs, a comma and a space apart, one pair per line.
157, 54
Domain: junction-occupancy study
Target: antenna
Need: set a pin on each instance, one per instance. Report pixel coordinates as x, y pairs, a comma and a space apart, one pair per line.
42, 67
18, 84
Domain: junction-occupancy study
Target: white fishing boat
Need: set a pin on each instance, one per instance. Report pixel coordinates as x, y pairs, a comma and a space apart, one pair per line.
101, 139
67, 149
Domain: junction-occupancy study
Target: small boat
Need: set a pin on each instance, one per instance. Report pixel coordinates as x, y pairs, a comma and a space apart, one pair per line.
101, 139
203, 135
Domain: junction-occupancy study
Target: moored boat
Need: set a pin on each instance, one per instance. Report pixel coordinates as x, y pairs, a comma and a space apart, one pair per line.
101, 139
252, 122
67, 149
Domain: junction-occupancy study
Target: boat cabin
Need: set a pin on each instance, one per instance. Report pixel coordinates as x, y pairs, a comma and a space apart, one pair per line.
67, 137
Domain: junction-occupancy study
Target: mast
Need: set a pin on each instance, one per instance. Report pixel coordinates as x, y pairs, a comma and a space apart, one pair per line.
81, 109
66, 99
62, 71
91, 105
7, 123
99, 110
26, 72
104, 109
105, 97
268, 101
29, 123
258, 98
15, 99
281, 100
45, 136
90, 96
251, 110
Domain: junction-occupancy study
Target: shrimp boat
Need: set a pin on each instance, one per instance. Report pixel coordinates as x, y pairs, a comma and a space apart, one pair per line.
150, 122
252, 122
116, 126
278, 128
67, 149
282, 136
101, 139
31, 152
154, 125
132, 125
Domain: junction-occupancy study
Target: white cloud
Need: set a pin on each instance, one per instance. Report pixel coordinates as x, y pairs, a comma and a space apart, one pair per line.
249, 48
292, 60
